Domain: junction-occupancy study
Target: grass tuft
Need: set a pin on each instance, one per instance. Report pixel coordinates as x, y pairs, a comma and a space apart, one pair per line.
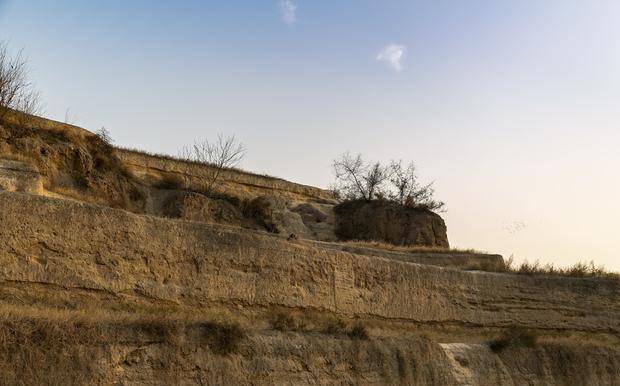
358, 332
578, 270
407, 249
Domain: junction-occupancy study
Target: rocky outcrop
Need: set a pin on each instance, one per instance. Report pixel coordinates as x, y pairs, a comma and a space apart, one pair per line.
389, 222
79, 165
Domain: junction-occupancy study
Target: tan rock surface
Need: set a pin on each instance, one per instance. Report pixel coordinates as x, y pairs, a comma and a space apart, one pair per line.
84, 246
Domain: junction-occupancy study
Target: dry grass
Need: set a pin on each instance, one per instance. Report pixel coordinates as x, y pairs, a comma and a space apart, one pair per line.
15, 118
578, 270
42, 346
70, 159
192, 162
305, 321
407, 249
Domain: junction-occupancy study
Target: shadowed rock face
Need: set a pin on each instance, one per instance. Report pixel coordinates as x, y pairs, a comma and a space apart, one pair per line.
391, 223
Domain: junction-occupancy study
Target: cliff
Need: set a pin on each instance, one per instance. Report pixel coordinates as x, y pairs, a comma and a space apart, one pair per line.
117, 269
140, 261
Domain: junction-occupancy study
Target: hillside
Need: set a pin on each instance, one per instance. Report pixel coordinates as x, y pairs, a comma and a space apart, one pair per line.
118, 268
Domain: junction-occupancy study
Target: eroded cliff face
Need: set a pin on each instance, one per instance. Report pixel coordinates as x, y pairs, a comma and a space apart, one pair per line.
133, 354
72, 163
78, 245
427, 325
117, 269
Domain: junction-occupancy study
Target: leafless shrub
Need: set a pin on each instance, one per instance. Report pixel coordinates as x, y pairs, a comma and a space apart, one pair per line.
358, 332
360, 180
105, 136
16, 91
223, 153
406, 189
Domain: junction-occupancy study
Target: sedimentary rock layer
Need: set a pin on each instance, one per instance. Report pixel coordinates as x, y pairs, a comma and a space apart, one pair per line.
235, 182
75, 245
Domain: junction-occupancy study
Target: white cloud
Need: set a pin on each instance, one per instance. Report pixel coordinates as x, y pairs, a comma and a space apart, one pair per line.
393, 55
289, 12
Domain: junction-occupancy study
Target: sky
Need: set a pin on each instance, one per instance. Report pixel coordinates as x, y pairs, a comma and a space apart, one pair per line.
511, 107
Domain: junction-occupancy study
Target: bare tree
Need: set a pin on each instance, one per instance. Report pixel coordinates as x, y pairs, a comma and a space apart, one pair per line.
225, 152
407, 191
404, 180
16, 91
358, 179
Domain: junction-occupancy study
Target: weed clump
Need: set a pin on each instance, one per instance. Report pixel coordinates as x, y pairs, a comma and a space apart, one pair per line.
514, 338
283, 321
358, 332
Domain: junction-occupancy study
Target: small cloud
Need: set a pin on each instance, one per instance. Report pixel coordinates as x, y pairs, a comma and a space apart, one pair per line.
289, 12
393, 55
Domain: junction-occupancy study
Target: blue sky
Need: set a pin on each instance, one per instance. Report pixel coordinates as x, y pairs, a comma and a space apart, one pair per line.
512, 107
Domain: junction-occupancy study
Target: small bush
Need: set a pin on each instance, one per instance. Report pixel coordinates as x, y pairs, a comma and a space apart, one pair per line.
358, 332
283, 321
339, 327
514, 338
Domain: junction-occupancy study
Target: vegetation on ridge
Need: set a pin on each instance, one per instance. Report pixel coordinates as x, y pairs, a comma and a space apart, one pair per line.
357, 179
579, 270
223, 153
17, 93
